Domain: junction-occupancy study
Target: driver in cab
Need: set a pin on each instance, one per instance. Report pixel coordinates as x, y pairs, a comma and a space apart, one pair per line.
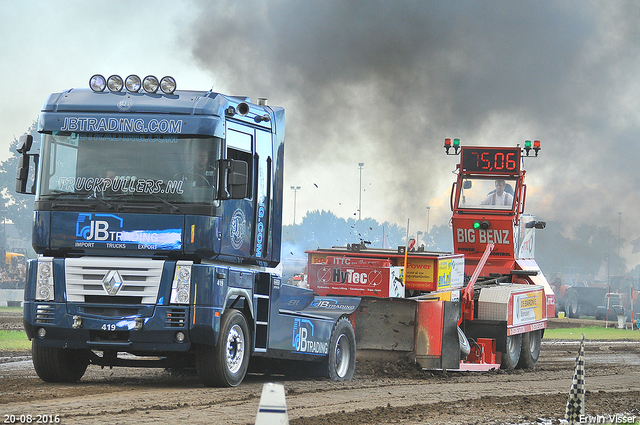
498, 197
202, 174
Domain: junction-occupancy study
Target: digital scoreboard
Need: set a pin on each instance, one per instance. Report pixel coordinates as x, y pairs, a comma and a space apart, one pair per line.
491, 160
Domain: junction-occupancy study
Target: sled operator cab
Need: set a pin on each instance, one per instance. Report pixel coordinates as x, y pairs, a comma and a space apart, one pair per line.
488, 204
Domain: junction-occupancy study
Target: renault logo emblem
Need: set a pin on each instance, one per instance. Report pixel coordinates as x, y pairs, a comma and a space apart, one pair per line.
112, 282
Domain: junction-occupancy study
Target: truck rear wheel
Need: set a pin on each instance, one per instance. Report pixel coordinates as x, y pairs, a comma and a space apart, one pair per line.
342, 351
225, 364
511, 355
53, 364
530, 349
571, 306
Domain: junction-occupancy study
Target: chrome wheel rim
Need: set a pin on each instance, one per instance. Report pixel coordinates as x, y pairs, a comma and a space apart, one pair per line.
343, 353
235, 348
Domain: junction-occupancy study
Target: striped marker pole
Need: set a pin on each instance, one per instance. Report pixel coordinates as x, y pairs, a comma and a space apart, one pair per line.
575, 405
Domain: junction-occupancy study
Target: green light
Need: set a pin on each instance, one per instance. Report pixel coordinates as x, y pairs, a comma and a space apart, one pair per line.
527, 144
484, 224
456, 143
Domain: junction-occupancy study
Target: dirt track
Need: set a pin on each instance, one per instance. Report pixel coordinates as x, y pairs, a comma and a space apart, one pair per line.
380, 393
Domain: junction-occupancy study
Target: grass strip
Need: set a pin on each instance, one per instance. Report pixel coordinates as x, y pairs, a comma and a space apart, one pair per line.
592, 333
14, 341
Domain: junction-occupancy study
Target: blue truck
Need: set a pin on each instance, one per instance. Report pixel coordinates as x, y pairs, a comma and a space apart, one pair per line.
157, 221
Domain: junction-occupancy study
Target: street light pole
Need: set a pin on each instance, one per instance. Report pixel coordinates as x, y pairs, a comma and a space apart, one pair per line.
619, 221
4, 231
295, 198
428, 208
360, 165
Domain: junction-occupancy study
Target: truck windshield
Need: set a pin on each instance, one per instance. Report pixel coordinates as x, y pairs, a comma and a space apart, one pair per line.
485, 193
123, 166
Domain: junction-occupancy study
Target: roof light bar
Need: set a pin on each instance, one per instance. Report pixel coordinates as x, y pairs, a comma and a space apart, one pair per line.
132, 84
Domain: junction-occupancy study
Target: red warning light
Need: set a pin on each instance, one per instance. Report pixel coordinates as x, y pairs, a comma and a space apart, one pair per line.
528, 147
448, 145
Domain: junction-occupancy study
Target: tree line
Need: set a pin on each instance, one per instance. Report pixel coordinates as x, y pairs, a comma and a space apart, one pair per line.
581, 251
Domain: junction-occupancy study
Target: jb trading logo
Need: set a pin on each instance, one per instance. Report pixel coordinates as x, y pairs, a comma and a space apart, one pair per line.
99, 228
329, 304
88, 229
304, 342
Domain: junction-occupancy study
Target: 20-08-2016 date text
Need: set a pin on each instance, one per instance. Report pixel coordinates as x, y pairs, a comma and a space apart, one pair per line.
31, 419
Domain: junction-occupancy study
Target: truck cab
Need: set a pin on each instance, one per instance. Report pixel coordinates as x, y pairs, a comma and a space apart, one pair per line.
157, 214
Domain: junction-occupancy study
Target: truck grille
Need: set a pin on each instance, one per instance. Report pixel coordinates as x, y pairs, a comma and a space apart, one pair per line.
120, 281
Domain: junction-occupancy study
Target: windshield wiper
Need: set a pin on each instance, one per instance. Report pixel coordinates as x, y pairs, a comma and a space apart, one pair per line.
54, 193
102, 201
174, 207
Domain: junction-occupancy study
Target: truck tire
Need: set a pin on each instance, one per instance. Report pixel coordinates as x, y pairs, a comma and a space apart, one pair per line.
225, 364
342, 351
53, 364
530, 349
571, 306
511, 355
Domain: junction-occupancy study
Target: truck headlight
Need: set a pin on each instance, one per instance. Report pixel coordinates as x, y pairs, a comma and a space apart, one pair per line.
181, 285
44, 285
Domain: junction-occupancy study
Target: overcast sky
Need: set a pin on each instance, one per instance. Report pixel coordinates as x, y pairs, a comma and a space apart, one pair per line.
382, 83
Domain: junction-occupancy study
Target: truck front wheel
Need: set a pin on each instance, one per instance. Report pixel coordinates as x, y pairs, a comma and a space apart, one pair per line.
53, 364
530, 349
342, 351
225, 364
511, 355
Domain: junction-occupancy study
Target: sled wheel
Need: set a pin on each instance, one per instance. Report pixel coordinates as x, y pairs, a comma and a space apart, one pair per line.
53, 364
342, 351
225, 364
530, 349
465, 348
511, 355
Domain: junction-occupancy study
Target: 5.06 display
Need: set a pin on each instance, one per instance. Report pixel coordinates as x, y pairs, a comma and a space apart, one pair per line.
493, 160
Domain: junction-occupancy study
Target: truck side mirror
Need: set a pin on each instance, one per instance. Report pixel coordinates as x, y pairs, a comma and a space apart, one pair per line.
22, 173
233, 178
24, 143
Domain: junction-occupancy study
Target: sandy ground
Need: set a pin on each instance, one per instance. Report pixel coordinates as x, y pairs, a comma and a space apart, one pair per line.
379, 394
